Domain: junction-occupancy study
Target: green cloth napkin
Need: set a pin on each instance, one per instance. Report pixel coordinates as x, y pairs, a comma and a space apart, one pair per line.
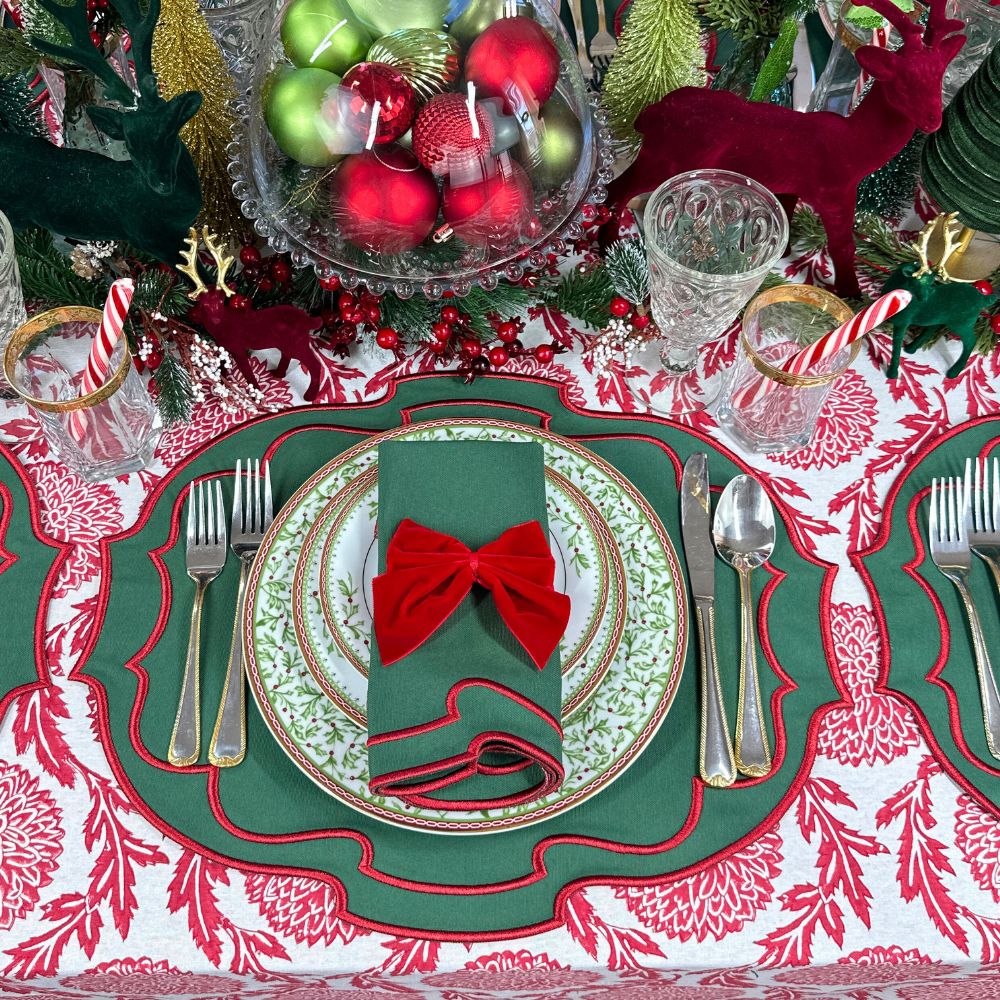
474, 491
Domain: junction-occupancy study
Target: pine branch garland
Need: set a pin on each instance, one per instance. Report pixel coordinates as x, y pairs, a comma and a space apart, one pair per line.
160, 292
47, 275
748, 18
628, 269
584, 295
174, 393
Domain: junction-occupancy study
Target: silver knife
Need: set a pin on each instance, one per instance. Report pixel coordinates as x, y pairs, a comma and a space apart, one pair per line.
716, 762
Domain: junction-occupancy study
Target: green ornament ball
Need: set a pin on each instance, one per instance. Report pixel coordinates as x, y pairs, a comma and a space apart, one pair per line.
324, 34
430, 60
560, 146
383, 16
477, 16
293, 110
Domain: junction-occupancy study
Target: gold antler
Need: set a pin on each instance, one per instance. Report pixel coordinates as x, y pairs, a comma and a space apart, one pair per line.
920, 245
950, 246
222, 262
190, 267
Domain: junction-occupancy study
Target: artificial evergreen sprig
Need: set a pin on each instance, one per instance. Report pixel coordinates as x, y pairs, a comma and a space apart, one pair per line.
748, 18
628, 270
16, 55
174, 393
47, 275
583, 294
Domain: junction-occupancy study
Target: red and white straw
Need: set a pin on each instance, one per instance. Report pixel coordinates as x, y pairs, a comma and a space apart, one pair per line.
858, 326
103, 347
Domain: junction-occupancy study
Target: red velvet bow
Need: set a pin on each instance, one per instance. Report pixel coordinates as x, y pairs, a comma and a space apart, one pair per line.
428, 574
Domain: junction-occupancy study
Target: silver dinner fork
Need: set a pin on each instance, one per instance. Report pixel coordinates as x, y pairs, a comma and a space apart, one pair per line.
949, 537
984, 531
603, 45
252, 516
206, 555
581, 40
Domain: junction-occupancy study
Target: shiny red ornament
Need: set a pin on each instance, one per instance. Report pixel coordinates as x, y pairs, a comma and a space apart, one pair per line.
516, 60
544, 354
374, 83
620, 307
444, 139
983, 286
387, 338
492, 211
384, 200
498, 356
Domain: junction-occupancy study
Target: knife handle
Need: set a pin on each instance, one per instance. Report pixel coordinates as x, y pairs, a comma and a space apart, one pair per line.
716, 762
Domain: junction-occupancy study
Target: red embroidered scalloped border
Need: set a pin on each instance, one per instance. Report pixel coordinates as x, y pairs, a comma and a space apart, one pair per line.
538, 864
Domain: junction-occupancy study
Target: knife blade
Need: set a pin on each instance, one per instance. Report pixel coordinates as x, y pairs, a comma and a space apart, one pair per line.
716, 762
696, 526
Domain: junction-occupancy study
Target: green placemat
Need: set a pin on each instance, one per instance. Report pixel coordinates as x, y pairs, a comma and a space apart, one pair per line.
654, 821
29, 563
927, 648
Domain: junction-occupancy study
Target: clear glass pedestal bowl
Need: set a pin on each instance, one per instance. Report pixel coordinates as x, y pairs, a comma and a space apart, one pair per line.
293, 207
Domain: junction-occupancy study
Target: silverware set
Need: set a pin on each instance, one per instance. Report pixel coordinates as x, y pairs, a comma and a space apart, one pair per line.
965, 520
206, 557
593, 61
743, 534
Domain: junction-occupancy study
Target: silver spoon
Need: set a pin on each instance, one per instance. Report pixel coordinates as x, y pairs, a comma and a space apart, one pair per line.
744, 538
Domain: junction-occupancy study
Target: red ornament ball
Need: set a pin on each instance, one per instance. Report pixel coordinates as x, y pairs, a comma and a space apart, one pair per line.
544, 354
499, 356
507, 332
984, 287
444, 140
371, 83
492, 211
384, 200
995, 324
387, 338
514, 59
620, 307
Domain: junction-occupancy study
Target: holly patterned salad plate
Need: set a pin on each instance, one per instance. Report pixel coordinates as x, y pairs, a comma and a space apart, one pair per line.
618, 719
332, 592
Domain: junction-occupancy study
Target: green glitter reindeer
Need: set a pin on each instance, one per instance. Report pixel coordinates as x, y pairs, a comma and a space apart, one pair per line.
939, 298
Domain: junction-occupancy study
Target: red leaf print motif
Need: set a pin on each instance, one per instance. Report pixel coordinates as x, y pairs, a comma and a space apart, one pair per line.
30, 842
977, 835
35, 726
304, 908
410, 955
922, 861
792, 943
191, 888
113, 874
144, 979
73, 916
249, 946
714, 902
869, 967
875, 726
505, 972
624, 944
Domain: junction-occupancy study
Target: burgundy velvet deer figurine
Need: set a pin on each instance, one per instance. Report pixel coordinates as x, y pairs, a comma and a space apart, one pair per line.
287, 328
150, 200
819, 157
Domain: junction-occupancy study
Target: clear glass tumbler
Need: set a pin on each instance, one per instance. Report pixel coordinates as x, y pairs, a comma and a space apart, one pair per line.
711, 238
764, 408
106, 433
12, 313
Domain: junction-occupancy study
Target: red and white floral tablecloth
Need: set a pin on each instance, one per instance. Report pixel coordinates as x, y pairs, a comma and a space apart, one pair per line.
882, 878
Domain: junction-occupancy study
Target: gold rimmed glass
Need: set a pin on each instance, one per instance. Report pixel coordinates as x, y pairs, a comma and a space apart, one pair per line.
106, 433
777, 324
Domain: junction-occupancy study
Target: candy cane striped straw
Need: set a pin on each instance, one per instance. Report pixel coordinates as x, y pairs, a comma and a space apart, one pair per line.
858, 326
880, 39
108, 334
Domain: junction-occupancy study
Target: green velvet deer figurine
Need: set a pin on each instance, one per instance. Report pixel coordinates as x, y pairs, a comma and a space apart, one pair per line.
150, 200
939, 299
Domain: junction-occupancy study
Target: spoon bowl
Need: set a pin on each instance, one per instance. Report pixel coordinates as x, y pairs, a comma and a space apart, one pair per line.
744, 524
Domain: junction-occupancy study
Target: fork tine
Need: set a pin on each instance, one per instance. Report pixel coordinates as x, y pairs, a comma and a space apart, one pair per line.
210, 518
220, 515
238, 500
268, 503
932, 527
201, 514
996, 494
254, 486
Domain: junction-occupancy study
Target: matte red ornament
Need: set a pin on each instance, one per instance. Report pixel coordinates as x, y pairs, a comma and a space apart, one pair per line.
444, 139
371, 83
819, 157
516, 60
491, 211
384, 200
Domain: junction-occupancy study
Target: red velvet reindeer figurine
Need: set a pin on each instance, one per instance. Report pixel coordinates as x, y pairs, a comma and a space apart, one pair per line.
287, 328
820, 157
